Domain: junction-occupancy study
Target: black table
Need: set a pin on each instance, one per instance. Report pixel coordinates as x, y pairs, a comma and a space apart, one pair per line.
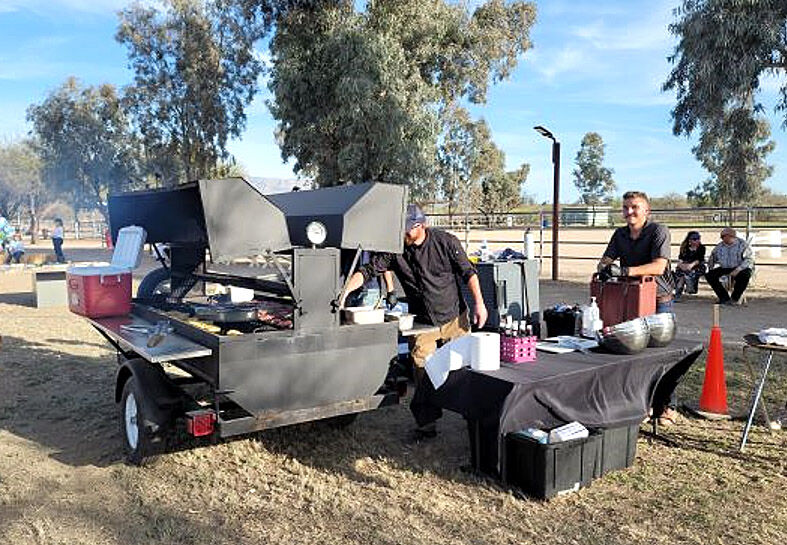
598, 389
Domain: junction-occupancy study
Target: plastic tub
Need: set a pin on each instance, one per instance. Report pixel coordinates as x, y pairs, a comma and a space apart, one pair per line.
364, 315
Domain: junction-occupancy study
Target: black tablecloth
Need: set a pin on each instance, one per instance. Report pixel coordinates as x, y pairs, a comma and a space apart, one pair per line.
598, 389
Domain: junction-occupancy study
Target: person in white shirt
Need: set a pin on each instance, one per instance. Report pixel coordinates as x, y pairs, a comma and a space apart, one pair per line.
732, 256
57, 240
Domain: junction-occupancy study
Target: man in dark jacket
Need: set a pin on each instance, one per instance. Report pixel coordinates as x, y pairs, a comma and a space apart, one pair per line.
429, 270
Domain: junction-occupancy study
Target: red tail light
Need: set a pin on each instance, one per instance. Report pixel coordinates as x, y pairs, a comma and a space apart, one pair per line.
200, 423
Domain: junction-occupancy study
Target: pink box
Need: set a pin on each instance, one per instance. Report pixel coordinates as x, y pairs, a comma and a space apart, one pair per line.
97, 292
518, 349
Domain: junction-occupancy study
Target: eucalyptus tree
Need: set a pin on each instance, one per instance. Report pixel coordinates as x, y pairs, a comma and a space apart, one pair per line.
195, 72
725, 49
82, 135
21, 183
734, 153
363, 95
592, 179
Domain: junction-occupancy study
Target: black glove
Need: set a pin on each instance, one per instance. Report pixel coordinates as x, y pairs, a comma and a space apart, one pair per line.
612, 271
391, 299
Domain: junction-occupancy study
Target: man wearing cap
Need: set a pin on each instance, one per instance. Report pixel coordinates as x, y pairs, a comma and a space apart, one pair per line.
429, 270
733, 257
643, 248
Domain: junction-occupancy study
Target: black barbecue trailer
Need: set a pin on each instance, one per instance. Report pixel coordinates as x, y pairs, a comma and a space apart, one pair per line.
217, 384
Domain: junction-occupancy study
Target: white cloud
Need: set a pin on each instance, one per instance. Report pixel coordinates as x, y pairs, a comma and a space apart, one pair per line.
572, 60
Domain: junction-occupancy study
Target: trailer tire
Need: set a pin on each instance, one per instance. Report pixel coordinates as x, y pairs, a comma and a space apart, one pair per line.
137, 438
156, 283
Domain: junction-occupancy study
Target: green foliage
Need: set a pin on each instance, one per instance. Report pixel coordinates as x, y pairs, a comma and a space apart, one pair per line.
362, 96
195, 71
725, 47
670, 201
84, 141
21, 183
734, 154
20, 175
502, 191
471, 168
592, 179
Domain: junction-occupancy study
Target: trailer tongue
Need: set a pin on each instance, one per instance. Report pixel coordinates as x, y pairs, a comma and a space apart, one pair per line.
284, 356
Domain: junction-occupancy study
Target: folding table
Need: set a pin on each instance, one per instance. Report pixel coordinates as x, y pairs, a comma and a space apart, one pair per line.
766, 358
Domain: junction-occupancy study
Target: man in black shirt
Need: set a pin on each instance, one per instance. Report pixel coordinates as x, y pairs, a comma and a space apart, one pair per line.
429, 269
643, 248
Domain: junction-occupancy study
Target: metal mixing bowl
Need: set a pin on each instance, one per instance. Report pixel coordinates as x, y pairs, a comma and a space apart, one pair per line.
662, 328
626, 337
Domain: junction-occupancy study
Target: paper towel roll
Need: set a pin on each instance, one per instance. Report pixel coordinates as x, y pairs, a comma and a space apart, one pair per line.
449, 357
484, 351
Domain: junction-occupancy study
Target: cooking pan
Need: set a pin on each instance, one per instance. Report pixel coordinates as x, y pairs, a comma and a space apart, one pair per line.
226, 313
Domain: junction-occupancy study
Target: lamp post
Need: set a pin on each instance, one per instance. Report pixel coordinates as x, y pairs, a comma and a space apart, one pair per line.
555, 195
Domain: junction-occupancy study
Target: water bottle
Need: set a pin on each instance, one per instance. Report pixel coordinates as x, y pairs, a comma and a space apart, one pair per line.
577, 321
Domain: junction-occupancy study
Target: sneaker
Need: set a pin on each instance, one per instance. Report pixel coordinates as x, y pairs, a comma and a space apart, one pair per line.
734, 303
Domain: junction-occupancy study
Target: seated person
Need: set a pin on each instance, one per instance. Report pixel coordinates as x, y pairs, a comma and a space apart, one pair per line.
691, 264
16, 249
732, 256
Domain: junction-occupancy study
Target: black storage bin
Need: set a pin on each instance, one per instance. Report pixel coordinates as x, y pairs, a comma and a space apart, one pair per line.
483, 446
545, 470
618, 448
559, 322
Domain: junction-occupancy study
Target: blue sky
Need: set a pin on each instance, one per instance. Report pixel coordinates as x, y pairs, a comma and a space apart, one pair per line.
595, 66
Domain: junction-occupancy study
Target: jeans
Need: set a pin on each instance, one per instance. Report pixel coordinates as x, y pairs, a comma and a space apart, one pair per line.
688, 280
666, 306
58, 244
663, 306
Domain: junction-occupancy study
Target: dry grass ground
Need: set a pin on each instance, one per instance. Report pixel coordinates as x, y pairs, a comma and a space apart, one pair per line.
63, 480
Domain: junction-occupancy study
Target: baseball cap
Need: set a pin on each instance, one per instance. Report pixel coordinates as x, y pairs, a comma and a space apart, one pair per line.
414, 216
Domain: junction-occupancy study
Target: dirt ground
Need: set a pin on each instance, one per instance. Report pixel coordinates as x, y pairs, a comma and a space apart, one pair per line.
63, 479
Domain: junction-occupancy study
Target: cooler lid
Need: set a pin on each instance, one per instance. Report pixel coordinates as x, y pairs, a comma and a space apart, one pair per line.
128, 248
108, 270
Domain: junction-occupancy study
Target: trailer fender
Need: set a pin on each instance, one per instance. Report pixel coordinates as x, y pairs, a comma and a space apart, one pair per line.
161, 397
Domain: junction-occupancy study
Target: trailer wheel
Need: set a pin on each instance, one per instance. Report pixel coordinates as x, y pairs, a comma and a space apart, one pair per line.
156, 282
137, 440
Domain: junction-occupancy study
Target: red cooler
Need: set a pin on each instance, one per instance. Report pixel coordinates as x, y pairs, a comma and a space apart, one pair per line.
623, 299
97, 292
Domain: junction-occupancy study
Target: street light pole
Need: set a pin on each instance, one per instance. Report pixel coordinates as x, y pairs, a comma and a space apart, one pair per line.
555, 196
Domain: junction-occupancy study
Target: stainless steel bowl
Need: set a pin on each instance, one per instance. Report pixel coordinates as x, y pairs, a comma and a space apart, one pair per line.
662, 328
626, 337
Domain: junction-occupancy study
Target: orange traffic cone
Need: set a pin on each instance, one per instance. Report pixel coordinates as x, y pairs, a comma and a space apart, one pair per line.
714, 388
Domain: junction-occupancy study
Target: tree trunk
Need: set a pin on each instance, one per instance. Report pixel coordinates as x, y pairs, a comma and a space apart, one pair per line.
33, 220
